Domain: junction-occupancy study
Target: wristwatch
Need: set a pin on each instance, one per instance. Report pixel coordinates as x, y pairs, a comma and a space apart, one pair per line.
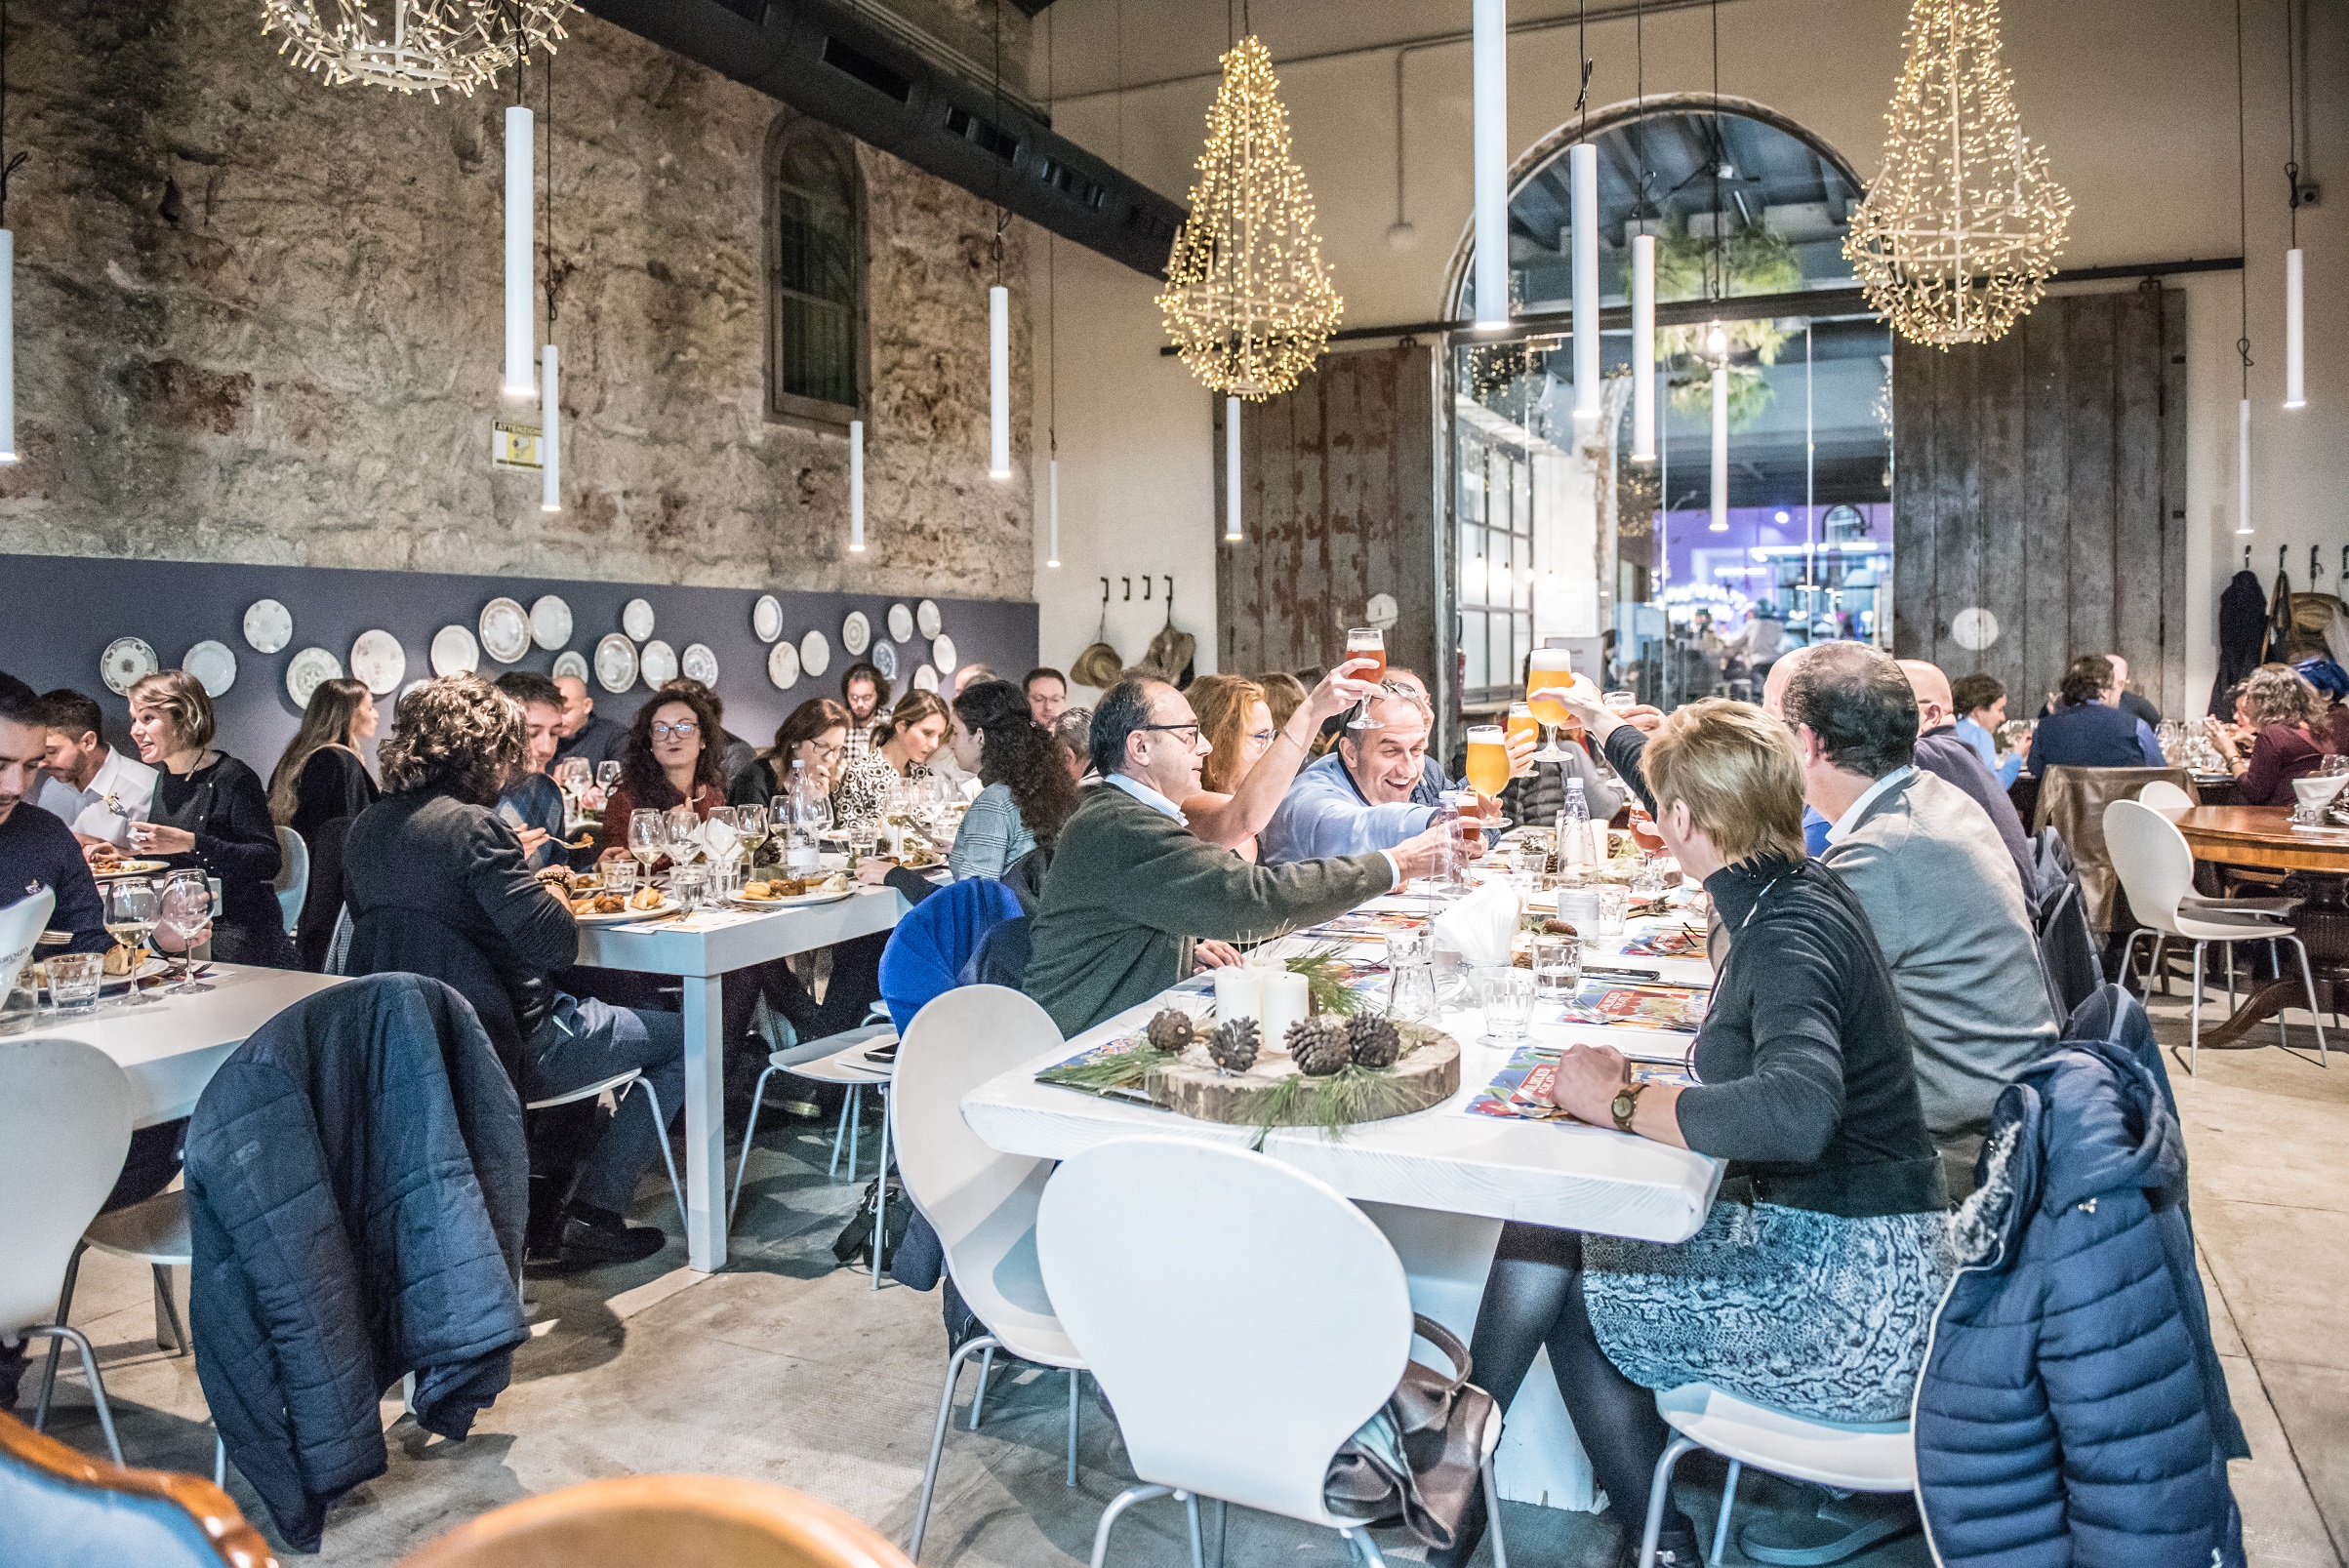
1625, 1103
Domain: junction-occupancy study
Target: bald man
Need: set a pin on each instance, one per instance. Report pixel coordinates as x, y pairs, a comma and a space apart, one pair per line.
1943, 753
583, 733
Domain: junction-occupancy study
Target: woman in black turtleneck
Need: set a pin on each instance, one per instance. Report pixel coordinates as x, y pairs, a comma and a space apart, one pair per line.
1814, 1281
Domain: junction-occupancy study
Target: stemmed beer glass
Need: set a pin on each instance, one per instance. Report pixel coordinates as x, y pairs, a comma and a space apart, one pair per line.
1366, 642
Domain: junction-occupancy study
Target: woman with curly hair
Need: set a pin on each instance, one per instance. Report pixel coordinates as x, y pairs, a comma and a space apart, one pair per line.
675, 756
1027, 794
437, 884
814, 734
2289, 740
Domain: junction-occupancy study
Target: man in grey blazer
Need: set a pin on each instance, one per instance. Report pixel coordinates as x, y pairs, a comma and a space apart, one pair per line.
1938, 884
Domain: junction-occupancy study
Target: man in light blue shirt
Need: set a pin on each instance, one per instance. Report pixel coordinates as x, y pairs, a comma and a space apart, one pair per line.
1981, 702
1359, 798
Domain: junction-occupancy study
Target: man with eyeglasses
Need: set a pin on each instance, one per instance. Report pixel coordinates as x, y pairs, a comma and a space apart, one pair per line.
1135, 901
1363, 796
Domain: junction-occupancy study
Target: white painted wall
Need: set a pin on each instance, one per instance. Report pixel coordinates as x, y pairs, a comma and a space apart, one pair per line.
2135, 100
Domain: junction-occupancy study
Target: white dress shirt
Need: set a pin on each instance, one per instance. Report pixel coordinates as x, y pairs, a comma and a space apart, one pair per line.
121, 792
1851, 814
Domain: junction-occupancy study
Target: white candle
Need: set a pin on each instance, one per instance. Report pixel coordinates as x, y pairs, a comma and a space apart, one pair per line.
1286, 1000
1239, 993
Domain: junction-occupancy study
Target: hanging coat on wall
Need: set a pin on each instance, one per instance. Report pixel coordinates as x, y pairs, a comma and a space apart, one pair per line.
2279, 623
2243, 626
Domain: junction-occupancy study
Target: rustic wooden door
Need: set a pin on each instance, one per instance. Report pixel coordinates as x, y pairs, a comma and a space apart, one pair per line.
2043, 479
1337, 506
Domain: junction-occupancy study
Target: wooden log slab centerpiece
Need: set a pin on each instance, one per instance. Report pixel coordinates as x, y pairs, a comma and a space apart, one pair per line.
1276, 1089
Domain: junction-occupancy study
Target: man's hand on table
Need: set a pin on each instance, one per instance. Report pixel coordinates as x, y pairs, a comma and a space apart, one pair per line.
1209, 954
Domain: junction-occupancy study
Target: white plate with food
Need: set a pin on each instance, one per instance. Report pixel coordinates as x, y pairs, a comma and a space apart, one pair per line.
504, 628
884, 660
588, 910
942, 654
572, 663
306, 669
925, 679
126, 663
379, 659
269, 626
636, 618
659, 663
901, 624
814, 654
856, 633
766, 618
107, 871
825, 890
615, 662
549, 621
213, 665
697, 663
927, 618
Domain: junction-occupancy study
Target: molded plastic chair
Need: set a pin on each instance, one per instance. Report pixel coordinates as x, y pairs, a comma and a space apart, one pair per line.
1161, 1253
982, 1203
632, 1521
2163, 796
293, 882
835, 1059
64, 1127
2156, 869
618, 1086
61, 1510
20, 926
1852, 1458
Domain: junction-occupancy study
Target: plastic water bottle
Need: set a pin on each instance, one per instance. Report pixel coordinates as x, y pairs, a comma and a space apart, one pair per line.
1574, 833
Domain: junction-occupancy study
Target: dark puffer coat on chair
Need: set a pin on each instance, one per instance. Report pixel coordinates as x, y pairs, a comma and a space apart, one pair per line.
2072, 1413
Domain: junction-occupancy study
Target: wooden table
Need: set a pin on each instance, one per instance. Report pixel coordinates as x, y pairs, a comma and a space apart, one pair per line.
2317, 861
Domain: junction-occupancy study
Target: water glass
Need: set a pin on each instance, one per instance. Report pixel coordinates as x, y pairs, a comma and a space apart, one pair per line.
1557, 967
1507, 994
620, 876
1412, 979
1621, 702
1578, 906
689, 885
73, 981
1614, 907
1648, 882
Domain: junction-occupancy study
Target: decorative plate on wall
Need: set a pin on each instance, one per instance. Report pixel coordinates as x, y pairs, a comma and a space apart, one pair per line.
126, 663
407, 690
504, 629
927, 618
213, 666
455, 652
305, 669
615, 662
941, 653
549, 621
269, 626
636, 618
766, 618
814, 654
379, 659
856, 633
884, 660
572, 663
901, 624
697, 663
782, 665
925, 679
659, 663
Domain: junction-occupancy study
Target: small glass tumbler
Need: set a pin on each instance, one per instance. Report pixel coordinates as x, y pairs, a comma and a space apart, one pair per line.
1648, 882
1614, 907
688, 885
620, 876
1507, 994
73, 981
1557, 967
1411, 977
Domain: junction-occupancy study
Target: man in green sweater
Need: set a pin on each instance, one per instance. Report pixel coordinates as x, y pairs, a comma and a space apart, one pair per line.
1131, 888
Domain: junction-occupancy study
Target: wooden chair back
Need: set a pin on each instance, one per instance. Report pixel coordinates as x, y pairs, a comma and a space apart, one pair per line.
653, 1522
62, 1506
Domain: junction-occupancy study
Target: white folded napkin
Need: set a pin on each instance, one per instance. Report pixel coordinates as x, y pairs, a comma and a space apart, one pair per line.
2317, 791
1478, 928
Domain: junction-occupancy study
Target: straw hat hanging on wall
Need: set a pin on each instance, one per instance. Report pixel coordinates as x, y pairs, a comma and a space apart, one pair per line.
1100, 665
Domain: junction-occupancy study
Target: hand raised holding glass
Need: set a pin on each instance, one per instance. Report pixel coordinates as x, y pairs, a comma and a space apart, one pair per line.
1353, 682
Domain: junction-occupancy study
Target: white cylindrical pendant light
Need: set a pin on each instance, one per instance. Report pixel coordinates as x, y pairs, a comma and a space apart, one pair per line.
1582, 166
1052, 509
1230, 470
2243, 466
1720, 449
1643, 348
519, 316
1490, 68
998, 382
550, 437
856, 485
2295, 366
7, 346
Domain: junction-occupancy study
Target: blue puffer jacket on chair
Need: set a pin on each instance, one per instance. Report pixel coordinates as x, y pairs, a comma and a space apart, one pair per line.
2072, 1413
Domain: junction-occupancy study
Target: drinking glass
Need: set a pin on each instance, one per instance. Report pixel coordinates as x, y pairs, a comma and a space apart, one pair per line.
574, 775
1557, 966
2336, 763
648, 837
722, 839
185, 911
1621, 702
1614, 907
607, 774
1648, 882
1487, 760
1366, 642
1411, 977
131, 910
1551, 668
1507, 994
73, 981
620, 876
754, 823
684, 826
688, 884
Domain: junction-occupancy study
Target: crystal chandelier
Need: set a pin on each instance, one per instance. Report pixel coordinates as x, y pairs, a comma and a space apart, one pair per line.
1248, 301
1959, 236
413, 46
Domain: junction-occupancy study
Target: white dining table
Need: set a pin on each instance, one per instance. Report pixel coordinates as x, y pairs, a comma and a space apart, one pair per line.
700, 950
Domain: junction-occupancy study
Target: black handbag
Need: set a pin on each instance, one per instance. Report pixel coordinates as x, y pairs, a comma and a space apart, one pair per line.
854, 1244
1420, 1460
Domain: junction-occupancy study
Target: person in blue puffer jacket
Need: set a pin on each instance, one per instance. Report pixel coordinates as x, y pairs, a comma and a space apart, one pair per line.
2073, 1413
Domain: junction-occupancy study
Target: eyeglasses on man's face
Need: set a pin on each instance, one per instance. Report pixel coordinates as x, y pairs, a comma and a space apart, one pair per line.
683, 730
1189, 732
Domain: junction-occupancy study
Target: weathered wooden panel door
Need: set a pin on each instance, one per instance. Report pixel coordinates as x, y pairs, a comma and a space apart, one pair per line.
1337, 506
2043, 479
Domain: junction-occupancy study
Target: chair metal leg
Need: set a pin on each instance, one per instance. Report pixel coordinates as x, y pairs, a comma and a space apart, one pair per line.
219, 1457
1075, 1377
2194, 1025
946, 1409
1366, 1548
2315, 1017
1223, 1525
758, 1098
2161, 966
979, 1397
880, 1191
167, 1315
2230, 947
839, 1135
676, 1188
98, 1386
855, 1124
1493, 1518
1119, 1505
1191, 1509
1728, 1503
49, 1371
1657, 1495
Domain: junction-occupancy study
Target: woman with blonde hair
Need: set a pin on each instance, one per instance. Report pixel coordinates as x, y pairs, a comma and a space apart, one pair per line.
210, 813
321, 776
1242, 780
2288, 734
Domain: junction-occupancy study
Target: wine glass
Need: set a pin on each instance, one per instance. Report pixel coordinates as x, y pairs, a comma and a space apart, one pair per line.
1366, 642
752, 821
184, 913
684, 826
648, 838
130, 912
607, 774
1550, 668
723, 840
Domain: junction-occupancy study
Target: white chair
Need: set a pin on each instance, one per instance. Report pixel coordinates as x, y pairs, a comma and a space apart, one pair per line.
618, 1086
293, 882
20, 926
64, 1127
1852, 1458
2165, 797
835, 1059
980, 1203
1175, 1265
2156, 869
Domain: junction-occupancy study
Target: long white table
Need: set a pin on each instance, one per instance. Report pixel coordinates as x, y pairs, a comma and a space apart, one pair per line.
700, 955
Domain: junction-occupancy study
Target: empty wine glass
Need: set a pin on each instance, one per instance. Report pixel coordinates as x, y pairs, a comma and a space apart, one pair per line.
722, 842
182, 919
132, 905
607, 774
684, 835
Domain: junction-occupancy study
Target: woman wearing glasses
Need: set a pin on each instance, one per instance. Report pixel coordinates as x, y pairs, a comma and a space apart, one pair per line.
674, 757
815, 735
1243, 779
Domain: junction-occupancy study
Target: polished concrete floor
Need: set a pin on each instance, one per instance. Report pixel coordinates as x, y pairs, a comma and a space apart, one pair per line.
790, 1368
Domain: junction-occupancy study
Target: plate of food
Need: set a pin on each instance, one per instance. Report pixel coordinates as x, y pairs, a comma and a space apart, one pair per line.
109, 866
597, 907
793, 892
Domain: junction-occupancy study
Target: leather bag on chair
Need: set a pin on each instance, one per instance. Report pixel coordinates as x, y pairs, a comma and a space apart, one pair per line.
1418, 1460
2072, 801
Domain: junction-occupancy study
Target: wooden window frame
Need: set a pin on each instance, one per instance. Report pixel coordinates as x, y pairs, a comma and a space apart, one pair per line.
791, 408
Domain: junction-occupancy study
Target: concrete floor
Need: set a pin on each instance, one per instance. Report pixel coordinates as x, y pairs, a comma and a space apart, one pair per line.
789, 1368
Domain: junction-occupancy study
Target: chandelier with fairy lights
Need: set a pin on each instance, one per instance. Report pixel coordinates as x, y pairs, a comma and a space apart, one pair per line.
1960, 233
413, 46
1248, 301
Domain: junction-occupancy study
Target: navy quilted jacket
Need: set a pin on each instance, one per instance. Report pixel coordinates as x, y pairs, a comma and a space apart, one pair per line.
356, 1187
2072, 1413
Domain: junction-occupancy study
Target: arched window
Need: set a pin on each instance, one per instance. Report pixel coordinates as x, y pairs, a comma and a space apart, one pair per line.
815, 353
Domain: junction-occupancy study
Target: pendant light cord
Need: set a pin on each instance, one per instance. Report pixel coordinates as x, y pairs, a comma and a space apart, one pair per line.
2291, 120
547, 200
1051, 271
2243, 210
1582, 59
1716, 274
1001, 218
17, 161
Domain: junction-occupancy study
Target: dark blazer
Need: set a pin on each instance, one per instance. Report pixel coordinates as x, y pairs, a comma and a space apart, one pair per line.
600, 739
333, 782
2091, 735
223, 804
358, 1182
1942, 753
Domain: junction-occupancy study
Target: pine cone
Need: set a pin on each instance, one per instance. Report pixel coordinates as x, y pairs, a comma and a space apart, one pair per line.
1171, 1031
1234, 1044
1375, 1040
1319, 1046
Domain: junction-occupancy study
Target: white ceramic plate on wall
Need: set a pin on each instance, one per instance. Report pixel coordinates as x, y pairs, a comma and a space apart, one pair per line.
941, 653
697, 663
814, 654
659, 663
213, 665
379, 659
455, 652
901, 624
126, 663
766, 618
927, 618
636, 618
615, 662
504, 629
269, 626
782, 665
884, 660
925, 679
549, 621
572, 663
305, 669
856, 633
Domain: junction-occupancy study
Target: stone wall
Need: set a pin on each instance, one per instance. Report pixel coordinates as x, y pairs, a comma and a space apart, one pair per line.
258, 319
